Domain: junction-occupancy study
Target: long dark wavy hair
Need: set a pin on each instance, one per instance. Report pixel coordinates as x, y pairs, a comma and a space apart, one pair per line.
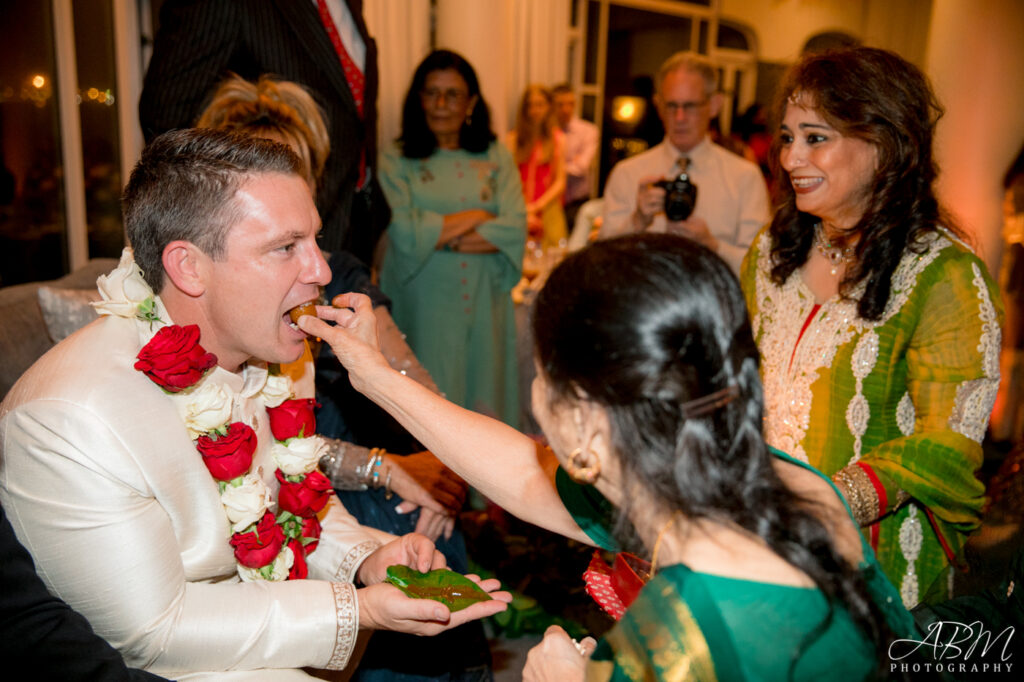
877, 96
417, 140
644, 324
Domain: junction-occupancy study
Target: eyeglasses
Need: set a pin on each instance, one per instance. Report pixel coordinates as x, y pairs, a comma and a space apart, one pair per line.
688, 108
450, 96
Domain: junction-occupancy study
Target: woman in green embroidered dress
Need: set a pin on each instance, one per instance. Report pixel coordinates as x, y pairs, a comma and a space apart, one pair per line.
648, 391
878, 328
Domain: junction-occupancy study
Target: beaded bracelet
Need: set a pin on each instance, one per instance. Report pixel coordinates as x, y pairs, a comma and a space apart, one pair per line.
371, 476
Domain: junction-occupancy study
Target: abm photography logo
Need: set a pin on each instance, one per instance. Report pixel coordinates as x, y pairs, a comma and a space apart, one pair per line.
956, 648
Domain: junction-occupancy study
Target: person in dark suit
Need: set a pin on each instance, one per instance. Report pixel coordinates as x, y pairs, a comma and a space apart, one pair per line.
199, 42
43, 636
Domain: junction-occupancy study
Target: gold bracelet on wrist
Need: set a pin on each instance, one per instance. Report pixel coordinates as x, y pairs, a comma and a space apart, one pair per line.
856, 486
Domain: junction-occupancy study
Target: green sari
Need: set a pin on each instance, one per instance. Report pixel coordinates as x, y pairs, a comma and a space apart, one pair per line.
698, 627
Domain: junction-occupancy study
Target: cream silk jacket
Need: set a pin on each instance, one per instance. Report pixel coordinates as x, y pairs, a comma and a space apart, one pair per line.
107, 491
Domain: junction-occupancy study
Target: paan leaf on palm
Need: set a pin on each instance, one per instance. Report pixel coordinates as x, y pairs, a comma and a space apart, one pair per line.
448, 587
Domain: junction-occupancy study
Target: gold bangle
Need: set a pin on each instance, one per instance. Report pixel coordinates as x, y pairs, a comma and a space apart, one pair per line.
855, 485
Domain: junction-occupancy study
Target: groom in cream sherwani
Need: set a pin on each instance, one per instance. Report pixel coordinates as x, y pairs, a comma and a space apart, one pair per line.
100, 476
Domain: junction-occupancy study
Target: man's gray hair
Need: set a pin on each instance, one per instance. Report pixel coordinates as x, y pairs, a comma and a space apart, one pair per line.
694, 63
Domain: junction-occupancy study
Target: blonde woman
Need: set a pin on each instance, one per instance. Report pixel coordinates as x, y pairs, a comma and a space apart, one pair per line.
539, 149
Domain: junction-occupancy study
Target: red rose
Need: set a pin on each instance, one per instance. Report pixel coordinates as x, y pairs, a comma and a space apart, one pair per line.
311, 529
173, 358
305, 498
258, 548
293, 418
299, 569
229, 456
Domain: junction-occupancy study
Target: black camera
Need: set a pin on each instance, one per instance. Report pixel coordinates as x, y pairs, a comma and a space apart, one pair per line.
680, 197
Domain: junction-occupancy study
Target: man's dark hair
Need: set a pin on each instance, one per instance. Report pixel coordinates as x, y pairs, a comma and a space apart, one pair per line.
183, 188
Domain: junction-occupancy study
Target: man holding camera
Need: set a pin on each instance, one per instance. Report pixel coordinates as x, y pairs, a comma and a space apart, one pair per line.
688, 185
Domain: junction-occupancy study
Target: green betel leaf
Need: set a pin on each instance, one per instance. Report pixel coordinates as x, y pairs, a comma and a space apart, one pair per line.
448, 587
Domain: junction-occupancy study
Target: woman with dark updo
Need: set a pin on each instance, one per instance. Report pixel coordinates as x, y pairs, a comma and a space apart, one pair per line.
878, 327
648, 392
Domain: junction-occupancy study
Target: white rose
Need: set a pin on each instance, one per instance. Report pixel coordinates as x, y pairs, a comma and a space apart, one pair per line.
300, 455
245, 504
205, 409
277, 390
279, 570
123, 290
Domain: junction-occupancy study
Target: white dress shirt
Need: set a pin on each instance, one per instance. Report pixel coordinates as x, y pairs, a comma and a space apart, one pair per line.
731, 194
580, 148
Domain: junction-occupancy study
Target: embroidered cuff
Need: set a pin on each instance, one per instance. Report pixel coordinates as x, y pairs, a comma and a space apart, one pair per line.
347, 608
860, 493
347, 570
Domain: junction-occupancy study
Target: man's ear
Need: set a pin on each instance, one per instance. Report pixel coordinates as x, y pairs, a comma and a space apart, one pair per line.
184, 267
716, 101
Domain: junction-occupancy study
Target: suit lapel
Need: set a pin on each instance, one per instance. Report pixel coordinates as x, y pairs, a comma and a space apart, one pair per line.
303, 19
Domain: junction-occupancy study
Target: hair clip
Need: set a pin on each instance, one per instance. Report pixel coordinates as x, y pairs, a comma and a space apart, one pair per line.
709, 403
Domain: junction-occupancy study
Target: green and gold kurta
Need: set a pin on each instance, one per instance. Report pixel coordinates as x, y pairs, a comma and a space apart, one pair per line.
456, 308
902, 402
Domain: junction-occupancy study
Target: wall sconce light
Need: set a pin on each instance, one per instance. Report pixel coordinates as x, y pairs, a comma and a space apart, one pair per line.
628, 110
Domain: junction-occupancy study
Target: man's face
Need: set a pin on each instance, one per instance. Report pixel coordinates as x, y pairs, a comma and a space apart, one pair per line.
271, 263
685, 108
565, 107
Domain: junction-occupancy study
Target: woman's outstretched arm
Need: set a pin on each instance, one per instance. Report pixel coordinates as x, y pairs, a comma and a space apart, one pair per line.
499, 461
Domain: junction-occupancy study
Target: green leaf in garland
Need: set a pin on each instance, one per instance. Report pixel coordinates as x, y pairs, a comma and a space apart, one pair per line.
147, 311
448, 587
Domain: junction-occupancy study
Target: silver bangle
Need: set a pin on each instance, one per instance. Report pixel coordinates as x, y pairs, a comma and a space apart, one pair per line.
342, 465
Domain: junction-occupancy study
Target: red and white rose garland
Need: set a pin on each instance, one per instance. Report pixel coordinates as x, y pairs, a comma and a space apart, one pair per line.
267, 546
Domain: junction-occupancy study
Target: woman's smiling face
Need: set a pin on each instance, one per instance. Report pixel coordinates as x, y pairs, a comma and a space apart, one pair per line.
831, 173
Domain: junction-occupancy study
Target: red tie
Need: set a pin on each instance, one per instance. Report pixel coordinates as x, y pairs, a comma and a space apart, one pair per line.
353, 76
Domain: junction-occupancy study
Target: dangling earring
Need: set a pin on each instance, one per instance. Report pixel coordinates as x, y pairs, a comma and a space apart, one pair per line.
584, 468
469, 118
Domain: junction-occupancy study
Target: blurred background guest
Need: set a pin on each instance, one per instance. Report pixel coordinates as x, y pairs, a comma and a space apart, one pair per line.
539, 149
322, 45
878, 327
456, 239
581, 141
420, 494
732, 201
1008, 415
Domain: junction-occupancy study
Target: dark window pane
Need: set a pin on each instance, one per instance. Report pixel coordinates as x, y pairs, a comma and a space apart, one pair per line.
588, 108
32, 220
731, 37
590, 66
97, 84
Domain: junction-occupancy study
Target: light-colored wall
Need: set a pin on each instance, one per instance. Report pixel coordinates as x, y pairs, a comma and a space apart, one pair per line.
783, 26
976, 61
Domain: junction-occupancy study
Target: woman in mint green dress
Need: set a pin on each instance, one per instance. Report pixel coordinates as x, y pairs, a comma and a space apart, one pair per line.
648, 391
456, 238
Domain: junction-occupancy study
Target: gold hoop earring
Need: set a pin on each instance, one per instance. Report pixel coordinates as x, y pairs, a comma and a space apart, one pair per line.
584, 472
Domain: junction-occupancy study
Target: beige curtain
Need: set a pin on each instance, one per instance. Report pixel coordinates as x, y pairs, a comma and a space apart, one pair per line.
511, 43
539, 41
402, 31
